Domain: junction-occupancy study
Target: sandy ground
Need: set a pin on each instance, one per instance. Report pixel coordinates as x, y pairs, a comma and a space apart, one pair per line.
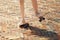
11, 18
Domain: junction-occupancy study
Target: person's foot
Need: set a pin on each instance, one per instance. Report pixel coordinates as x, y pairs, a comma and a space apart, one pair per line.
26, 25
41, 18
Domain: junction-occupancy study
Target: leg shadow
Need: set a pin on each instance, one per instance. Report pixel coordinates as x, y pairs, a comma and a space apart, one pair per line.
42, 32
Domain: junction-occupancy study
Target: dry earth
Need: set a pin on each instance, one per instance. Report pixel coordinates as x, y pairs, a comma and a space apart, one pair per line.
11, 18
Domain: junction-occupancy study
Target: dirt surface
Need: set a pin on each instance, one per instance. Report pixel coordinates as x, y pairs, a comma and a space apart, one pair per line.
11, 18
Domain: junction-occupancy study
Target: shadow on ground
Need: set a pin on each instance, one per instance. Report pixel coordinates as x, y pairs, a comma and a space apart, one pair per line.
44, 33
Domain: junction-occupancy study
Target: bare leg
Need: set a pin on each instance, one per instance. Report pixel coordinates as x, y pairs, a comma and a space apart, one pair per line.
22, 9
35, 6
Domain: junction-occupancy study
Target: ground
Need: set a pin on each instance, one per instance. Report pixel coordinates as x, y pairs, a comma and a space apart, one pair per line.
11, 18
